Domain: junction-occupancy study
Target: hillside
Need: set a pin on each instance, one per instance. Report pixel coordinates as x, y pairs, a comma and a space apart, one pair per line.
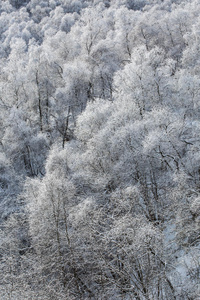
99, 150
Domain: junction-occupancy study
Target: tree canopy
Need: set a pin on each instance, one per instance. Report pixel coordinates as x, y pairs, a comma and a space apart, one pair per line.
99, 149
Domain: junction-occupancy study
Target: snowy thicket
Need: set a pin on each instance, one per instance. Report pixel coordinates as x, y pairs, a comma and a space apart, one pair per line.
100, 149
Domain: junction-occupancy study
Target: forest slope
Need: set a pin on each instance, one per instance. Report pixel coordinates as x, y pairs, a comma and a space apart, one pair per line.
99, 149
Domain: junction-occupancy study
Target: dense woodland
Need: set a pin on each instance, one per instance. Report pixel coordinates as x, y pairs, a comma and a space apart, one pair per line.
99, 150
